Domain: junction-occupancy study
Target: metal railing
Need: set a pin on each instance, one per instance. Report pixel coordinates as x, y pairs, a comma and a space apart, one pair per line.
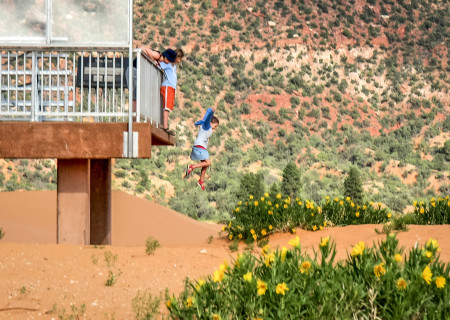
87, 86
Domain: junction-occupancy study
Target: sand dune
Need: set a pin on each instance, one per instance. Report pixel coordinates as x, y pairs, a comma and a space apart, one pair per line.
36, 274
30, 217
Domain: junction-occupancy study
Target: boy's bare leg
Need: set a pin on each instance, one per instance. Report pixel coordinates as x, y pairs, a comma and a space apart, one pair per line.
202, 164
166, 119
202, 175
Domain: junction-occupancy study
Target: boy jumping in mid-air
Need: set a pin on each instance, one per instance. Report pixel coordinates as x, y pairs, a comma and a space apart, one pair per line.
199, 152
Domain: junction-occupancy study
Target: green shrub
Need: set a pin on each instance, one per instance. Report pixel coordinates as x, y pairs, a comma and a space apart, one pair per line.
151, 245
437, 211
372, 281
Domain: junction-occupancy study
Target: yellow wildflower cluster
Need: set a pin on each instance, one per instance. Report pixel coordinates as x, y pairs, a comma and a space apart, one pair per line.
261, 287
401, 284
305, 266
379, 270
295, 242
281, 288
358, 249
324, 241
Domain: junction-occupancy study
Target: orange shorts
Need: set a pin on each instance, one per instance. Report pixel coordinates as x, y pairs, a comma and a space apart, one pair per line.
168, 95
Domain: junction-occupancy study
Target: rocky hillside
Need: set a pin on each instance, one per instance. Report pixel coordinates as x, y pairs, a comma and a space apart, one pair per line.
327, 84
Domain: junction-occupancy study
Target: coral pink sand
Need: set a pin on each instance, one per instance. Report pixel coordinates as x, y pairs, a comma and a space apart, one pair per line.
36, 273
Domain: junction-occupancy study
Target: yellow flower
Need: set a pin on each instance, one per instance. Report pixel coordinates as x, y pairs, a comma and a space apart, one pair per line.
312, 214
285, 206
389, 215
237, 209
320, 227
433, 243
293, 230
216, 317
229, 225
305, 266
266, 249
281, 288
426, 274
270, 212
200, 283
251, 197
262, 199
341, 203
276, 205
223, 228
364, 207
327, 197
371, 203
278, 196
270, 227
324, 223
295, 242
169, 303
319, 210
283, 253
379, 270
266, 194
269, 203
240, 236
448, 204
348, 199
255, 237
218, 276
256, 203
440, 282
401, 284
189, 302
398, 257
300, 203
262, 287
224, 266
263, 232
358, 249
422, 210
336, 199
428, 254
252, 231
415, 203
248, 277
239, 203
352, 205
324, 241
357, 214
270, 258
230, 237
433, 204
314, 228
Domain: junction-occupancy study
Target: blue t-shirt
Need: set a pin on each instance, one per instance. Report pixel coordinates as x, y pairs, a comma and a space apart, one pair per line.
170, 75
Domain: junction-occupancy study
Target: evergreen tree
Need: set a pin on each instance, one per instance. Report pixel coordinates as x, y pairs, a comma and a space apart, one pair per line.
353, 186
251, 184
290, 185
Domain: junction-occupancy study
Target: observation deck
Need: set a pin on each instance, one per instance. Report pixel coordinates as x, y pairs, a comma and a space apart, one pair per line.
80, 99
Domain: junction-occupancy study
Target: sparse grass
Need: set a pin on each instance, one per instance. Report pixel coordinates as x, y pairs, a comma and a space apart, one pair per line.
145, 306
151, 245
110, 259
94, 259
2, 233
112, 278
210, 239
78, 313
234, 246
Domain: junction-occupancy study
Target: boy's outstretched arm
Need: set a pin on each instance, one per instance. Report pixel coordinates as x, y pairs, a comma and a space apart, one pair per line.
206, 122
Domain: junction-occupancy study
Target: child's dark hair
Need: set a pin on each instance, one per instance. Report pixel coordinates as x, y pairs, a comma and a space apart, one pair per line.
214, 120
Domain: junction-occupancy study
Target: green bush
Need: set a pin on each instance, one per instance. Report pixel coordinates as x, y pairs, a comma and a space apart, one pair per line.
289, 283
151, 245
437, 211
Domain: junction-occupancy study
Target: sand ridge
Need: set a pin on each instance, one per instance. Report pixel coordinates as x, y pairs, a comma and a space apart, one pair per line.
36, 274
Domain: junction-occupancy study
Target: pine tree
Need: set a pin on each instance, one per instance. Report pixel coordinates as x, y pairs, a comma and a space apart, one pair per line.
353, 186
291, 184
251, 184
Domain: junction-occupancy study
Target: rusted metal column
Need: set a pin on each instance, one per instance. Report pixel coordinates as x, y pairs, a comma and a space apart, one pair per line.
100, 201
73, 201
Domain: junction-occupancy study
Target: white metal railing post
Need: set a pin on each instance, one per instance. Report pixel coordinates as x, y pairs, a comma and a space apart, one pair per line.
130, 84
34, 84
